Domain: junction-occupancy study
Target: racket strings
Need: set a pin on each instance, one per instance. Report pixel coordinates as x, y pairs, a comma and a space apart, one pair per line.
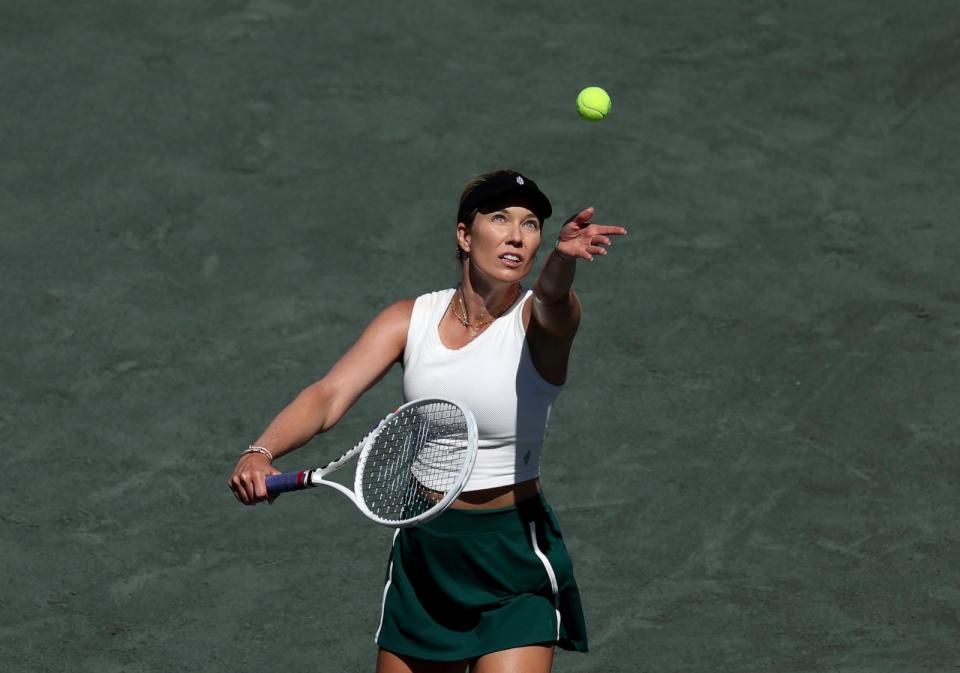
414, 461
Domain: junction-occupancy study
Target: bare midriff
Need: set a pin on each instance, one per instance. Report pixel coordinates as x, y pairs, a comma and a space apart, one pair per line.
500, 496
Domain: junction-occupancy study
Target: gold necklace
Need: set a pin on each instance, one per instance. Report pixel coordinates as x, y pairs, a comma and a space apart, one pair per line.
474, 327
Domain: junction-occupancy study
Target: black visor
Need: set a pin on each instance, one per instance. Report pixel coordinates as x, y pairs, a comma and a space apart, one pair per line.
500, 189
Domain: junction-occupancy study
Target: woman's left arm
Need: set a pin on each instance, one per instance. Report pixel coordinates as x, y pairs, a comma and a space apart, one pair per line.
556, 308
555, 315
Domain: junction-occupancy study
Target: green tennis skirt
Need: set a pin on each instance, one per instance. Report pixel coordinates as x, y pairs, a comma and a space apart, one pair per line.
472, 582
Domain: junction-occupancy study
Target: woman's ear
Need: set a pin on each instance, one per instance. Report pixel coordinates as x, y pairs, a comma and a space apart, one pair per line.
463, 237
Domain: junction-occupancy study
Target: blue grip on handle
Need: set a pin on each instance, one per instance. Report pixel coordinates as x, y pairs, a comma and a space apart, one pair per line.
288, 481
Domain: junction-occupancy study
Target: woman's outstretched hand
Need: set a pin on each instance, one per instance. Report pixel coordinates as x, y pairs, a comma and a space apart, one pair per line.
581, 238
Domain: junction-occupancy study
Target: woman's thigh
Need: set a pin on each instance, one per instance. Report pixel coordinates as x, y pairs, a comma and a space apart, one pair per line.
390, 662
527, 659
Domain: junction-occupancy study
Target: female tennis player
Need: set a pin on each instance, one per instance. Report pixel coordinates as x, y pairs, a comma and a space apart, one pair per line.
488, 584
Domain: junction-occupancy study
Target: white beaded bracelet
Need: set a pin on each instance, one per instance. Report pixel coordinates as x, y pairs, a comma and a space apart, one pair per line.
258, 449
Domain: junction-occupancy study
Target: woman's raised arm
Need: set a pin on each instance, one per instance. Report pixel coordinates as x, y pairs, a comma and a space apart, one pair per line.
555, 315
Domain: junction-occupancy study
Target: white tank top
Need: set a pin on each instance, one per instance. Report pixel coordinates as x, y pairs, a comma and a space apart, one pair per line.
494, 377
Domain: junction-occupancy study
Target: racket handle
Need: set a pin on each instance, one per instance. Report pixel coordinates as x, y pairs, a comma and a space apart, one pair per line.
288, 481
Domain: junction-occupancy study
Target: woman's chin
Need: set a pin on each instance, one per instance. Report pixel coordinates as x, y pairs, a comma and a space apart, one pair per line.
503, 273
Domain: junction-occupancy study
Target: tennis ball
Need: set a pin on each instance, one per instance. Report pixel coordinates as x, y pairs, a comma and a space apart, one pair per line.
593, 103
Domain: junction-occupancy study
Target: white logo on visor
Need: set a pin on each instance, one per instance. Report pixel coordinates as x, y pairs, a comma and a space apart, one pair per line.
519, 180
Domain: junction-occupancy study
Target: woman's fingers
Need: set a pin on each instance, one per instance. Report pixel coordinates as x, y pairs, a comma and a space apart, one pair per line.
249, 489
239, 491
591, 238
259, 487
249, 481
580, 219
583, 216
606, 230
593, 230
260, 484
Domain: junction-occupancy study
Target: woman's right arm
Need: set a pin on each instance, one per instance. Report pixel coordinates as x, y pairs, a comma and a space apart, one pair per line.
322, 404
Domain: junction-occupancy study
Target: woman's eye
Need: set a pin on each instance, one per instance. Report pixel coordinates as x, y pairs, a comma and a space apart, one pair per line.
532, 224
498, 216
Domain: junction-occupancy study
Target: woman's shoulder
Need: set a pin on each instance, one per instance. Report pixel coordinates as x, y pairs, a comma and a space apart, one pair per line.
398, 312
438, 295
430, 302
401, 310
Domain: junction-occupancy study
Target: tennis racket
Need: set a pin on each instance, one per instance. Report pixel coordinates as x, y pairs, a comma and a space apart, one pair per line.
411, 466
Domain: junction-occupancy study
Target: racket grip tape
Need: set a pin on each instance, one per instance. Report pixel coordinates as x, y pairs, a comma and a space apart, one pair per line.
288, 481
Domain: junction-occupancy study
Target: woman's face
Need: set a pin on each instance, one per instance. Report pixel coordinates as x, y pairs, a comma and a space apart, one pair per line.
502, 242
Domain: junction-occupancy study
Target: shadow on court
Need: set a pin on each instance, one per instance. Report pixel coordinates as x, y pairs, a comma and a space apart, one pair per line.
755, 459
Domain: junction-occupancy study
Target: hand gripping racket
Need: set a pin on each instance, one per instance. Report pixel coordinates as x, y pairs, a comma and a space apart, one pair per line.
411, 466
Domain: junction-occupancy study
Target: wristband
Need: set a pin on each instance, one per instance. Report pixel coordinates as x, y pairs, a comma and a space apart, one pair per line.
258, 449
556, 250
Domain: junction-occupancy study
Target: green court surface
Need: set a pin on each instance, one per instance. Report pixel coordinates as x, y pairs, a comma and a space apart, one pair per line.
756, 458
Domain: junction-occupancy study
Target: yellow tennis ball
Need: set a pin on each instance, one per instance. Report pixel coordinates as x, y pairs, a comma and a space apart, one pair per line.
593, 103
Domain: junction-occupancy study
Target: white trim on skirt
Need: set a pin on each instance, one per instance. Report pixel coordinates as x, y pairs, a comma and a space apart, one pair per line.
386, 588
549, 568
